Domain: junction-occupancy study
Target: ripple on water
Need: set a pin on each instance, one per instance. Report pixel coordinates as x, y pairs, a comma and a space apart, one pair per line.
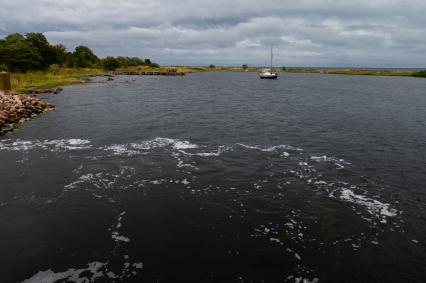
182, 167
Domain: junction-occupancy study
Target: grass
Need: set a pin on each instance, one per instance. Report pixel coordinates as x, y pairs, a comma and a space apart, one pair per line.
50, 78
55, 76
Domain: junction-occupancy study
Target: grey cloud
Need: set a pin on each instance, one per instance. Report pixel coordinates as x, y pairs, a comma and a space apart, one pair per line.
305, 33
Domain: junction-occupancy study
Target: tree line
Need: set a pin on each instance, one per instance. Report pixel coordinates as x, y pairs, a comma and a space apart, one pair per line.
32, 51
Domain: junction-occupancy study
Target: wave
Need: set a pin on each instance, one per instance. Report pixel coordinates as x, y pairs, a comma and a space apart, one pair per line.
302, 166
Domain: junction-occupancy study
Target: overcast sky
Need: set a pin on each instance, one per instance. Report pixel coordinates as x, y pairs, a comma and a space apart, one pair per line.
358, 33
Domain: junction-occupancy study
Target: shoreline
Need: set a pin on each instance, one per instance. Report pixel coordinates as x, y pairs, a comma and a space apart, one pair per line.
16, 109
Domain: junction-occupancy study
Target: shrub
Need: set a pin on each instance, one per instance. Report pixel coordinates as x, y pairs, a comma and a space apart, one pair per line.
83, 57
110, 63
420, 74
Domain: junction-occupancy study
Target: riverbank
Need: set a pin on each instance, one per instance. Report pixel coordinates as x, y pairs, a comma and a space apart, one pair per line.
15, 109
55, 77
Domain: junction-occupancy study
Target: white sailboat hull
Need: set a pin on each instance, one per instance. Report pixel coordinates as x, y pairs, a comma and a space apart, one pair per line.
268, 76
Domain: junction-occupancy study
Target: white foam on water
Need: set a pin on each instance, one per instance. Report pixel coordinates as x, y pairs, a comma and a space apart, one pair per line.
115, 234
297, 256
184, 145
270, 148
72, 274
337, 161
374, 207
220, 150
154, 143
119, 238
121, 149
49, 145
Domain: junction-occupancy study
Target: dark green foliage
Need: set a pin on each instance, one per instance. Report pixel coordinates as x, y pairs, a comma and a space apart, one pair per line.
19, 54
211, 66
134, 62
110, 63
420, 74
29, 52
83, 57
34, 52
46, 51
69, 60
244, 66
60, 54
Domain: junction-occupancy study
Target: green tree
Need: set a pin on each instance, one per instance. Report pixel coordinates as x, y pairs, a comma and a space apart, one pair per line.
110, 63
244, 66
60, 54
46, 51
135, 61
19, 54
83, 57
123, 61
211, 66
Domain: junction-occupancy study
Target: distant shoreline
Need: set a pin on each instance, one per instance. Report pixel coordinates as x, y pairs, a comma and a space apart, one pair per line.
54, 77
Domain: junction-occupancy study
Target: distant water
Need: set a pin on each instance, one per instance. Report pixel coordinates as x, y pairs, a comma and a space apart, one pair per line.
219, 177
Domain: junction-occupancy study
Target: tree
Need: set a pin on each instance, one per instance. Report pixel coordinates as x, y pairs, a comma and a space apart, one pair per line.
135, 61
60, 54
123, 61
110, 63
211, 66
244, 66
83, 57
46, 51
19, 54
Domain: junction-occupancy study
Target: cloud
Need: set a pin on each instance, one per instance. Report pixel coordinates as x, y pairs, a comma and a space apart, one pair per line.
370, 33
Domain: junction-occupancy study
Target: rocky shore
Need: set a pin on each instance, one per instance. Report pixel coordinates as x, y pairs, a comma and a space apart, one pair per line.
18, 108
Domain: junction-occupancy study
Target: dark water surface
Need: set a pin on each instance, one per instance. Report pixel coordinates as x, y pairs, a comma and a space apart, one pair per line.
219, 177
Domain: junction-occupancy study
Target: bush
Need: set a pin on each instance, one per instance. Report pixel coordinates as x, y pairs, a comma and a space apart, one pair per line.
420, 74
83, 57
110, 63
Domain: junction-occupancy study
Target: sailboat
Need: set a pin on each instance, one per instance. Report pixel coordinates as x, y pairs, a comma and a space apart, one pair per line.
268, 73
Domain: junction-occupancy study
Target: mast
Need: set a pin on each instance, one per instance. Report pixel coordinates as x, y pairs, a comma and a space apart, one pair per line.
271, 57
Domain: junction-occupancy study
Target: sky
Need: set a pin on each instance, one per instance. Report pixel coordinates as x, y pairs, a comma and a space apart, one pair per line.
321, 33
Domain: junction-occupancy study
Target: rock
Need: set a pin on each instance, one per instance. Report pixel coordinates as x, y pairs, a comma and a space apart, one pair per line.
17, 108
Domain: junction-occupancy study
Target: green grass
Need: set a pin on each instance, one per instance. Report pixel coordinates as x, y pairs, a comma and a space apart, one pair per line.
55, 76
50, 78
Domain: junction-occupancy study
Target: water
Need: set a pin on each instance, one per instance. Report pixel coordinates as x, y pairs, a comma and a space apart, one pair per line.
219, 177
